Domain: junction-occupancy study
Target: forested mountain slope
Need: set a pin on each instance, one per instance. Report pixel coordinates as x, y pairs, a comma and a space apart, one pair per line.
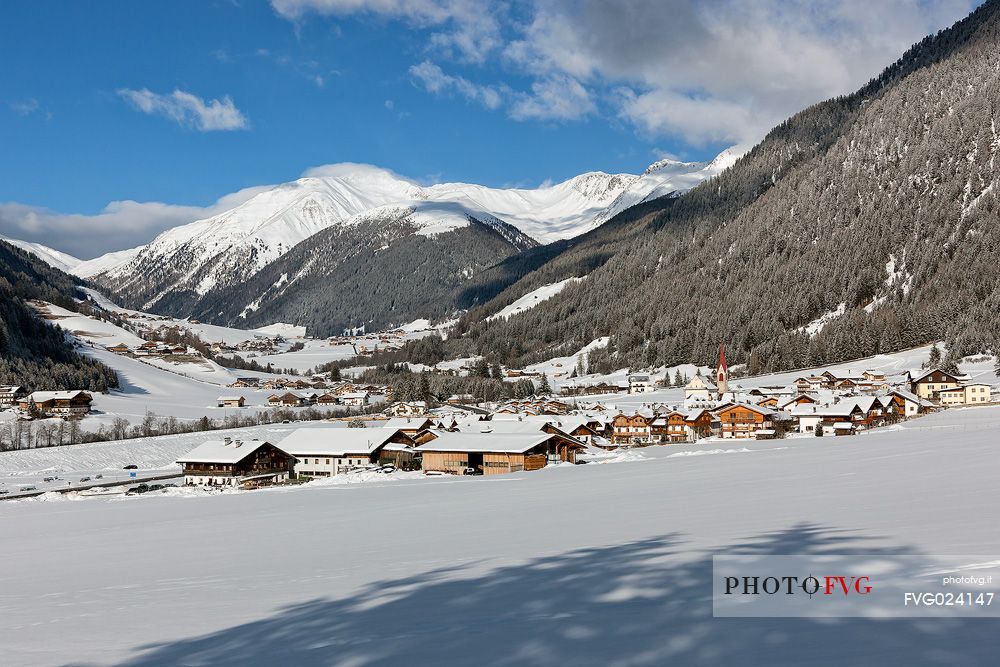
375, 273
33, 352
884, 201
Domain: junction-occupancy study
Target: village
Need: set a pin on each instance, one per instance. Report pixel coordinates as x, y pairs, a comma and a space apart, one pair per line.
530, 434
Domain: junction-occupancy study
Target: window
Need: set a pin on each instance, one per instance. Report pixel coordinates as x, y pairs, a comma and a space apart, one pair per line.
328, 461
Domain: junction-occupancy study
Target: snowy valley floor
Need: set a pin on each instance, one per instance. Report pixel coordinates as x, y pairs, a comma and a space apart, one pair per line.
571, 565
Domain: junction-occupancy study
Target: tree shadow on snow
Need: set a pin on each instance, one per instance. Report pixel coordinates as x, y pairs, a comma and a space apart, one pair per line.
641, 603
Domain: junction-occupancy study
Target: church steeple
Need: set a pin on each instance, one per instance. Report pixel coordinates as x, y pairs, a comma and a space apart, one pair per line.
722, 372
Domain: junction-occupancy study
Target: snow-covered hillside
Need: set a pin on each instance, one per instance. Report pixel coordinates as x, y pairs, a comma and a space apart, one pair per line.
533, 298
50, 256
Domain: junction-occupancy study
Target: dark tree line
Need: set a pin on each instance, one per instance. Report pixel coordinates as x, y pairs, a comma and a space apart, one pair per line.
34, 352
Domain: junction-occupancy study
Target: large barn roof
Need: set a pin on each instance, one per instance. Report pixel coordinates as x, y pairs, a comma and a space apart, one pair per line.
336, 441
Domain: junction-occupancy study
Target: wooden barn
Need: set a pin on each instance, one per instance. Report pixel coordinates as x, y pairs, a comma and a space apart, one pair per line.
497, 453
231, 401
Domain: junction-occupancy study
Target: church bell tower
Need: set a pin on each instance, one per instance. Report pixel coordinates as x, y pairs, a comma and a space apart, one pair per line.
722, 372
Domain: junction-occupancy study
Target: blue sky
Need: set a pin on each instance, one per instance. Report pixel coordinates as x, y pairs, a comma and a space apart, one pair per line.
171, 106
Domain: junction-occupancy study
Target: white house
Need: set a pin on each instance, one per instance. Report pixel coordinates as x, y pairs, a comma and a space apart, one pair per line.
357, 399
324, 452
911, 402
408, 409
640, 383
699, 391
966, 394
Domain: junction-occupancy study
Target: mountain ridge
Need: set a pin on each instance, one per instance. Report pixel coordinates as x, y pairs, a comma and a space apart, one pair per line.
902, 174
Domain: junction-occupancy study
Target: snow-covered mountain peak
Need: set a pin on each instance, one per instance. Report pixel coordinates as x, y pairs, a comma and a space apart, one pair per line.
664, 178
670, 164
599, 186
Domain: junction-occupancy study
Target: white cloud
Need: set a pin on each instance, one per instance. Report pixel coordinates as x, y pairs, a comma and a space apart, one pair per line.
467, 29
24, 107
434, 80
554, 98
701, 70
721, 70
120, 225
187, 109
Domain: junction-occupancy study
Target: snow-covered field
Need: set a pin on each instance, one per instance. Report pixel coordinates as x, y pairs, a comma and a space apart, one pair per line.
154, 455
533, 298
570, 565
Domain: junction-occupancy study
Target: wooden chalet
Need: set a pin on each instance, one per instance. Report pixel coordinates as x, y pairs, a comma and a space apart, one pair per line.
11, 394
411, 426
408, 409
230, 462
67, 404
740, 420
292, 399
770, 402
669, 427
927, 384
699, 422
327, 399
800, 399
631, 429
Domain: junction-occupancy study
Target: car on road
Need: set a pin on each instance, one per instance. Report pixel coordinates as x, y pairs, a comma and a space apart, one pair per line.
49, 479
84, 479
131, 466
155, 487
98, 476
142, 488
4, 492
472, 471
29, 488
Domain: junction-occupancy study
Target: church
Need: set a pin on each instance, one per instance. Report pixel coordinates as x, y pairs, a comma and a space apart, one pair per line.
704, 391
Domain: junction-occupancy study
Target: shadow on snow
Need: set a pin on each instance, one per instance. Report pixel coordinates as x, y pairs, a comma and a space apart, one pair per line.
640, 603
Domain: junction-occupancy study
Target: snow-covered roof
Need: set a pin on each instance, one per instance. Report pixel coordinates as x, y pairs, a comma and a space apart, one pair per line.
404, 423
231, 398
42, 396
921, 375
906, 395
507, 427
511, 443
220, 451
335, 441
